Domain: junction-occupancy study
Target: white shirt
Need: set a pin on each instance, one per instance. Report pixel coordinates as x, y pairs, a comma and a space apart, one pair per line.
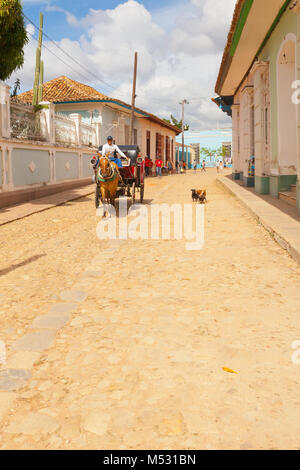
111, 149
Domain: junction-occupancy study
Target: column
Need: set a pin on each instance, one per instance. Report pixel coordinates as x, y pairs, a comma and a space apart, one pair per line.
262, 181
121, 130
47, 121
296, 9
235, 141
77, 119
97, 127
4, 111
245, 133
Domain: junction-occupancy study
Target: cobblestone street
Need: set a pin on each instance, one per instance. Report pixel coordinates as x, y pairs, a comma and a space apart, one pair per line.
122, 344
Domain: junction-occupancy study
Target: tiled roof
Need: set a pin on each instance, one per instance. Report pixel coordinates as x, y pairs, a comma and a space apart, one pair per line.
65, 90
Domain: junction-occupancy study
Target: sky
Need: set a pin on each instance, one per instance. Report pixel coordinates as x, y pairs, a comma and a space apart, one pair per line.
180, 46
212, 139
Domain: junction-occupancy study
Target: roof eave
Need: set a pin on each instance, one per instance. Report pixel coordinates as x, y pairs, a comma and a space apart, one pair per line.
227, 56
138, 111
226, 59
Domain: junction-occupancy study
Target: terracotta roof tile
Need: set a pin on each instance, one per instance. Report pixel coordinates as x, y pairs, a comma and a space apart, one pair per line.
63, 89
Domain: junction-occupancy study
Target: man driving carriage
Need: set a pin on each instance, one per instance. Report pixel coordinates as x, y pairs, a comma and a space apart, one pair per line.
120, 175
111, 150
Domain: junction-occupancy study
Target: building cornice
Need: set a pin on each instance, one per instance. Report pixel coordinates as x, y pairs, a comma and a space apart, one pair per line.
295, 6
259, 64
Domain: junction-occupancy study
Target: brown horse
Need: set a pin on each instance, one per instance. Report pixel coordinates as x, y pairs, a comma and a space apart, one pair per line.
108, 176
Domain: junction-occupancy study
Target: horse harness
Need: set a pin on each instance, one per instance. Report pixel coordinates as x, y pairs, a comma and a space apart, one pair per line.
113, 171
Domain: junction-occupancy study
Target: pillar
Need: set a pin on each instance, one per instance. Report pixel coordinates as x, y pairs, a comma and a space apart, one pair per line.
296, 9
77, 119
4, 111
262, 180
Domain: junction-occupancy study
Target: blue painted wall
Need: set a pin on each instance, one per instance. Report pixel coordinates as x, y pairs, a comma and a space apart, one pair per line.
21, 160
62, 161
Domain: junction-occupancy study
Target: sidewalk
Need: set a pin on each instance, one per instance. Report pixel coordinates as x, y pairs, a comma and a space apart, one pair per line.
10, 214
284, 229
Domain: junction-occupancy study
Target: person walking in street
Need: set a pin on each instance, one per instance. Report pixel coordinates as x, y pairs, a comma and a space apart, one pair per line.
158, 165
148, 165
204, 166
184, 166
221, 166
177, 166
195, 165
218, 166
170, 167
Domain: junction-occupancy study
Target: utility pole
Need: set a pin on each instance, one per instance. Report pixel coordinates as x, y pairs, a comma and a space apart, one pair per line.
183, 127
39, 68
133, 98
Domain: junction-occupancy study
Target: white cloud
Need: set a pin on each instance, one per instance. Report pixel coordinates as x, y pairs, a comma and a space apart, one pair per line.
71, 19
179, 55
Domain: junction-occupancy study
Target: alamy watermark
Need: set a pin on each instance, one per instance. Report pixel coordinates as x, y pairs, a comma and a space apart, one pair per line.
154, 222
296, 95
296, 353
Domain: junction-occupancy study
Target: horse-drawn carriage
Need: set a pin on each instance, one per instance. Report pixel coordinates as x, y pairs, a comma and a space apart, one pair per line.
132, 175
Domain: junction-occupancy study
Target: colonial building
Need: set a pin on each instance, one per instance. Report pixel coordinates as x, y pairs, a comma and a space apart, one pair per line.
154, 136
258, 81
189, 154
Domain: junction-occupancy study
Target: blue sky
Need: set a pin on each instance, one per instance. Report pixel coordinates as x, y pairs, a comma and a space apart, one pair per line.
212, 139
180, 46
55, 21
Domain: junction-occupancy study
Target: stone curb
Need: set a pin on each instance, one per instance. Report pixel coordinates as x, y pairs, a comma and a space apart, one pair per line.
284, 229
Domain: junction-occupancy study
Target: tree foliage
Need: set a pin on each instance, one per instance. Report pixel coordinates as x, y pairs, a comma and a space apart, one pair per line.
177, 123
207, 152
16, 88
13, 37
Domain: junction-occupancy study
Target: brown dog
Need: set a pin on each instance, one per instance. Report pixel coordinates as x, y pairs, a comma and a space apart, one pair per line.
199, 195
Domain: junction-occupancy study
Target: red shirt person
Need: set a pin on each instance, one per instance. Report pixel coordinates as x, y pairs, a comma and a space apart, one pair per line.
148, 165
158, 164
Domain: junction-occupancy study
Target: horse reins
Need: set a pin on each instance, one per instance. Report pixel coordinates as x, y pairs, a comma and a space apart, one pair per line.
110, 167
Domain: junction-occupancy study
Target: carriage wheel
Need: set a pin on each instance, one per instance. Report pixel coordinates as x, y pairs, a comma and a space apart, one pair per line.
97, 196
133, 193
142, 191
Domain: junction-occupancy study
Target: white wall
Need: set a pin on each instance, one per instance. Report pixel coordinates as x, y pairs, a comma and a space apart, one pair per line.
287, 130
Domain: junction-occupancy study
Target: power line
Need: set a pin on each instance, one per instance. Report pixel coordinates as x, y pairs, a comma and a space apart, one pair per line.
59, 58
70, 57
65, 63
76, 62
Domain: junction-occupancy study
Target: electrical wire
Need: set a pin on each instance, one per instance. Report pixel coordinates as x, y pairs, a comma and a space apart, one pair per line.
69, 56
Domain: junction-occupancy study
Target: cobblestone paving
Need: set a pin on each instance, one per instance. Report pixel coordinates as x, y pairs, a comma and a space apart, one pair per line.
122, 344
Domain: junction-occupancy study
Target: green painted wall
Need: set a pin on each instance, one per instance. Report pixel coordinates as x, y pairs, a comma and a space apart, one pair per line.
298, 197
262, 184
286, 25
281, 183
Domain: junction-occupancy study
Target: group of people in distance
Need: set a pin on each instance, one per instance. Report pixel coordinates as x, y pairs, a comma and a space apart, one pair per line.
219, 166
180, 166
159, 166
